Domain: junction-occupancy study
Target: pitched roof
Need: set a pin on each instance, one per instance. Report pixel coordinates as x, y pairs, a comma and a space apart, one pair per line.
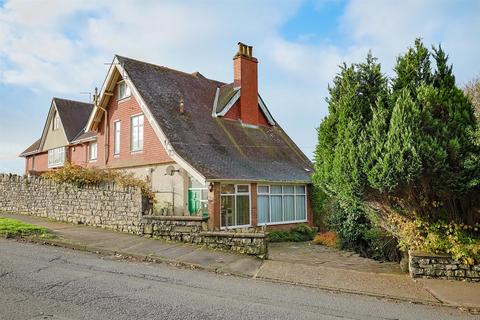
74, 116
32, 149
226, 93
218, 148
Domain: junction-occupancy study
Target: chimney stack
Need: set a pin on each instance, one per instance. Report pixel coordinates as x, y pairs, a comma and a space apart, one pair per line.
245, 76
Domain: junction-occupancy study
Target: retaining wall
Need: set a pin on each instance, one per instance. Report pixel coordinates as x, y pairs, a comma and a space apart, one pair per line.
427, 265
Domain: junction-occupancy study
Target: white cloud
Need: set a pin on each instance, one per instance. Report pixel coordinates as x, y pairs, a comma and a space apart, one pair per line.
61, 46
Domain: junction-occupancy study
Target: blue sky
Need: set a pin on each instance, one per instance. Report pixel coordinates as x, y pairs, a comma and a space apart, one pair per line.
59, 48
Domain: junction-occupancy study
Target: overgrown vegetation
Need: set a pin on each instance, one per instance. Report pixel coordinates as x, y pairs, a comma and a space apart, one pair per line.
80, 176
300, 233
328, 239
11, 228
404, 149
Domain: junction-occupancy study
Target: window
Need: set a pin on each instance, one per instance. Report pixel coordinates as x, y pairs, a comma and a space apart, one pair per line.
116, 137
92, 151
137, 133
281, 204
234, 205
56, 121
56, 157
123, 90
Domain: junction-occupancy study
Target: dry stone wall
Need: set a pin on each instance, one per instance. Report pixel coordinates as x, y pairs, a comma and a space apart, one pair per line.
195, 230
117, 208
108, 206
426, 265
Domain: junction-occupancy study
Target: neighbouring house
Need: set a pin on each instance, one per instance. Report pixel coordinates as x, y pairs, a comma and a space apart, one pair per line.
206, 147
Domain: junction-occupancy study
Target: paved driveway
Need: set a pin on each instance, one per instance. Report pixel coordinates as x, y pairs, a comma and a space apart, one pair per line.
317, 255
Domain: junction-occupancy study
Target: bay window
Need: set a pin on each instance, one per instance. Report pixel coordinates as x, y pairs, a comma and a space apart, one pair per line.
56, 157
281, 204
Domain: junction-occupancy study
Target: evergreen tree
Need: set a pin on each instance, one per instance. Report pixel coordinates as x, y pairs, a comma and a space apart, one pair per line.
411, 147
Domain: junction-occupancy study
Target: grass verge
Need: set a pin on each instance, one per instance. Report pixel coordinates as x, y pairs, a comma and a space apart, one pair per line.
11, 228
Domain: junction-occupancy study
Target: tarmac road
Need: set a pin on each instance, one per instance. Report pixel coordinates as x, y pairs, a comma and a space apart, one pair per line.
44, 282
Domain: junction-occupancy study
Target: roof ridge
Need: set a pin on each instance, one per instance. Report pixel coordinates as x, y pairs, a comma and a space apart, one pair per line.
65, 99
191, 74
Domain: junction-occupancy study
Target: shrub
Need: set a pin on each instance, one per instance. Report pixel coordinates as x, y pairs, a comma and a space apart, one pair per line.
328, 239
459, 240
300, 233
80, 176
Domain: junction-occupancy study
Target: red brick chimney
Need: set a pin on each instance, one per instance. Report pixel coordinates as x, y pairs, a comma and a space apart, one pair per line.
245, 76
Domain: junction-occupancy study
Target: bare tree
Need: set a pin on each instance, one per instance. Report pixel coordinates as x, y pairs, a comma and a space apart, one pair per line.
472, 90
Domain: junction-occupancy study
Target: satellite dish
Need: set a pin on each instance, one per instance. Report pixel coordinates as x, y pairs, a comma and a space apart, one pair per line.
170, 171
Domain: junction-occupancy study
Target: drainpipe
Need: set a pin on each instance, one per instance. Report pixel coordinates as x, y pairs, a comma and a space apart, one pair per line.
105, 145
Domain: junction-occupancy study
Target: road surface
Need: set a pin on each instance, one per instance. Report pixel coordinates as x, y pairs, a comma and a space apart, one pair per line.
44, 282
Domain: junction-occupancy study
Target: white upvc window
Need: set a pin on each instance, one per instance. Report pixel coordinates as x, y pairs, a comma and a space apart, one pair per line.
56, 157
123, 90
116, 137
93, 151
277, 204
56, 121
235, 205
136, 140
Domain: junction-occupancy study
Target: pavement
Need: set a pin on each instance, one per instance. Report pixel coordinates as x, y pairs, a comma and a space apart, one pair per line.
294, 263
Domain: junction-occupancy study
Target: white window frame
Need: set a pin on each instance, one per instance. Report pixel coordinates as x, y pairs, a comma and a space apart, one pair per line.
234, 195
56, 121
123, 90
92, 156
56, 157
116, 137
138, 148
295, 194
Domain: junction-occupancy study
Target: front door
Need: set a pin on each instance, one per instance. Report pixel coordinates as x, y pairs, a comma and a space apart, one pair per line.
235, 205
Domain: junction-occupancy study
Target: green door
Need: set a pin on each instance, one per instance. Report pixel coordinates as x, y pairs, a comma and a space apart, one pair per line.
194, 204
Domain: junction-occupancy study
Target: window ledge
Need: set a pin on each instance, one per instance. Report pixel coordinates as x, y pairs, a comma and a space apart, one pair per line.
282, 222
136, 152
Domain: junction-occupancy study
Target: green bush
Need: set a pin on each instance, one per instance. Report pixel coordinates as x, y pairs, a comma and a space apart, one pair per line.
300, 233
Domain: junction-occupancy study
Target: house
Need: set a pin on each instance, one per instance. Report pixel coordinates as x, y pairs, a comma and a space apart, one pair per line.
206, 147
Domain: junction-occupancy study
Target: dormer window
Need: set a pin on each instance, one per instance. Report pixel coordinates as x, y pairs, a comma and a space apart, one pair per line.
56, 121
123, 90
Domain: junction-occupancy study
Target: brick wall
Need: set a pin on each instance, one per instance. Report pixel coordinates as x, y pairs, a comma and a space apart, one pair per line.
122, 110
427, 265
40, 163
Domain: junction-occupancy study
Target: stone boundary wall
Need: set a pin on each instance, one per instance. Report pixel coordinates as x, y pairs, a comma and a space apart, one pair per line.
107, 206
438, 266
113, 207
195, 230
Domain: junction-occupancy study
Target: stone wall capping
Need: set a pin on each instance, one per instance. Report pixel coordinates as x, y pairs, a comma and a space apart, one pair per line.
175, 218
232, 234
